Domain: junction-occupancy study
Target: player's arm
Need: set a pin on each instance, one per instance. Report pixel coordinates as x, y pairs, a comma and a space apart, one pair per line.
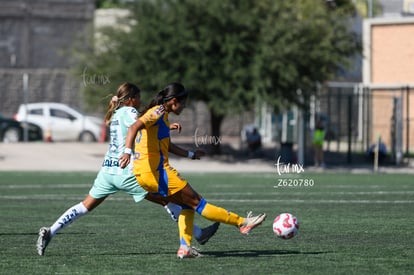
176, 150
129, 142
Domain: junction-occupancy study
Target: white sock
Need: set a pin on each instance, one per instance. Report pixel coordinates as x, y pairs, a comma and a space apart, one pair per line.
197, 231
73, 213
174, 210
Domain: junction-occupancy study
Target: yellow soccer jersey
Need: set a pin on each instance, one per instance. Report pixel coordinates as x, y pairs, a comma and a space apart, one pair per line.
151, 143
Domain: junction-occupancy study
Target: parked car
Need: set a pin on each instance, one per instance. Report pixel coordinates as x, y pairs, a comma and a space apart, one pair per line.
60, 122
13, 131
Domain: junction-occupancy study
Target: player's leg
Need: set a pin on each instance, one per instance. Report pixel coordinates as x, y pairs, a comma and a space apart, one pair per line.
181, 192
97, 194
215, 213
205, 209
75, 212
202, 235
317, 155
130, 185
69, 216
209, 211
185, 223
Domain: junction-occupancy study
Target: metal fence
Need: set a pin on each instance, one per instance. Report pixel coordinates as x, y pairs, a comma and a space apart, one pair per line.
356, 116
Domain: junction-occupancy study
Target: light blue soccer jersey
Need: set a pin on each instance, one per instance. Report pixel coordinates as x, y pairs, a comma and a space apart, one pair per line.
120, 122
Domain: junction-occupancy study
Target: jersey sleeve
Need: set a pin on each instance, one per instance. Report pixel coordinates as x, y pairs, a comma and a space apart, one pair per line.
152, 116
130, 117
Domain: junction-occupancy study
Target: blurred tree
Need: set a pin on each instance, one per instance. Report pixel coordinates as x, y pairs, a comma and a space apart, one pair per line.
106, 4
227, 53
368, 8
302, 45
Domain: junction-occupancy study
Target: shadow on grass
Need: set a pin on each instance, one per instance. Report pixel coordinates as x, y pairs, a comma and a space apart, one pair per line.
234, 253
19, 234
257, 253
37, 233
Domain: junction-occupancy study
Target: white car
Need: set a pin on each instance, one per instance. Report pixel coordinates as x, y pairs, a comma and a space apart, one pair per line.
60, 122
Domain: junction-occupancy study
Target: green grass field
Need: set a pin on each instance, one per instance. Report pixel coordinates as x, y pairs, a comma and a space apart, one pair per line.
349, 224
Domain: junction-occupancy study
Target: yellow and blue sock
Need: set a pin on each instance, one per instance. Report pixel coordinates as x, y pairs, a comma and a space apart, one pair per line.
185, 226
218, 214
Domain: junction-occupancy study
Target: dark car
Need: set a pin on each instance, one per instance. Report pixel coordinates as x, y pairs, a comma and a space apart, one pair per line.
13, 131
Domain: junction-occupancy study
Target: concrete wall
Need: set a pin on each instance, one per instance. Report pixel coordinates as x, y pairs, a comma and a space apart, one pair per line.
35, 38
36, 33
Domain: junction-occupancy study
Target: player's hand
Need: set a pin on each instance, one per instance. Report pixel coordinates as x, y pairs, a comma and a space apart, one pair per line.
124, 160
198, 154
175, 126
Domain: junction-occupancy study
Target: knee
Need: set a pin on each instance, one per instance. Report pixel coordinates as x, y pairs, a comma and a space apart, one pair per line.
200, 206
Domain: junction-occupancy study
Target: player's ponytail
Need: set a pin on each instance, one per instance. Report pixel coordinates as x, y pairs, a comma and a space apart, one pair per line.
124, 92
159, 98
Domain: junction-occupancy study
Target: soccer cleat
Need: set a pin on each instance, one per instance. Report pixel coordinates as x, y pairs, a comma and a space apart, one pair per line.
207, 233
188, 253
251, 222
43, 240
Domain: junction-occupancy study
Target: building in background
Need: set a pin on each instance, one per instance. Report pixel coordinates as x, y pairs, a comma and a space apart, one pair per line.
388, 74
35, 38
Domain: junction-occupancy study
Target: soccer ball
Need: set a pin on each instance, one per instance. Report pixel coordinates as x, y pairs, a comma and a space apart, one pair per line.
285, 226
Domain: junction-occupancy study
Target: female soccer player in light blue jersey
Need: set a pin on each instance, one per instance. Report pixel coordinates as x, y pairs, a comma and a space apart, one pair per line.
122, 112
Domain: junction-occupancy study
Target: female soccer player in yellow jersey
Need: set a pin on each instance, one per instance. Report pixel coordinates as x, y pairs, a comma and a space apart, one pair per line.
151, 133
122, 112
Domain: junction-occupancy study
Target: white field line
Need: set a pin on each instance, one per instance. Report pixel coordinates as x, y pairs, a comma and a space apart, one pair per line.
45, 186
315, 194
323, 201
294, 189
50, 197
219, 186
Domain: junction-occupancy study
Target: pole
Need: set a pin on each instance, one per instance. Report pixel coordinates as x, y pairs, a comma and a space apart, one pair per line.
370, 9
376, 153
301, 137
359, 91
407, 125
25, 96
349, 155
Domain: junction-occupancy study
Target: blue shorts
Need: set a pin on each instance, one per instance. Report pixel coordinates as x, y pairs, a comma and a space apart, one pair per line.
107, 184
